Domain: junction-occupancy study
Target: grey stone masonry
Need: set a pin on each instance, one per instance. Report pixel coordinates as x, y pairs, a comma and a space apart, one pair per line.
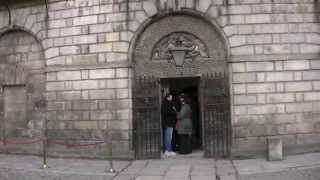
76, 60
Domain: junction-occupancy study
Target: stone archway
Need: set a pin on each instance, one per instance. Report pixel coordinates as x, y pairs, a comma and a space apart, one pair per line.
22, 81
203, 50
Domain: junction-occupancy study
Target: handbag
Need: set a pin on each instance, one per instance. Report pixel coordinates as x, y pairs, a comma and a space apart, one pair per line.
177, 124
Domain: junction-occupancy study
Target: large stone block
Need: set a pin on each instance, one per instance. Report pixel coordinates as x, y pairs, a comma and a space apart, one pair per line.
271, 28
150, 7
55, 86
238, 67
236, 19
122, 93
258, 18
279, 76
106, 8
277, 49
260, 66
296, 65
259, 39
85, 20
244, 77
117, 83
315, 64
311, 96
69, 75
111, 57
84, 105
105, 47
70, 31
69, 95
298, 107
101, 73
316, 85
261, 88
102, 115
114, 36
245, 29
84, 60
122, 73
262, 109
298, 86
243, 50
245, 99
51, 76
115, 17
102, 94
56, 106
85, 39
85, 84
52, 52
280, 98
237, 40
120, 47
309, 48
69, 50
57, 23
275, 149
203, 6
85, 125
99, 28
261, 8
240, 110
311, 75
240, 88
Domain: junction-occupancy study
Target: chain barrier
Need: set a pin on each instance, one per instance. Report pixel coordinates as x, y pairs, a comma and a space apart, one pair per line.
46, 141
61, 142
18, 142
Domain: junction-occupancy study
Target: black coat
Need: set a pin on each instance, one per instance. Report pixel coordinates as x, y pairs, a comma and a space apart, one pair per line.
168, 114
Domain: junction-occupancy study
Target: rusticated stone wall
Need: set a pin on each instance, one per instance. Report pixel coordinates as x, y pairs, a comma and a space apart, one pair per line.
88, 46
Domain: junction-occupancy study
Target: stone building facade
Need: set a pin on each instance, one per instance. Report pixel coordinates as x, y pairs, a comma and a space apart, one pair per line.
69, 66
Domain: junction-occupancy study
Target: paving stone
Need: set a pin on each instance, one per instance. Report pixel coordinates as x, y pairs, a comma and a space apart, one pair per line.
203, 177
149, 178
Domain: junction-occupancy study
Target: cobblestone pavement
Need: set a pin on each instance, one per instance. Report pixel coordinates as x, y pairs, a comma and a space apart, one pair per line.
192, 167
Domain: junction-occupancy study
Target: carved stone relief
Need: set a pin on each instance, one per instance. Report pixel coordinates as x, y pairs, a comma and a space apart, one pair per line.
179, 46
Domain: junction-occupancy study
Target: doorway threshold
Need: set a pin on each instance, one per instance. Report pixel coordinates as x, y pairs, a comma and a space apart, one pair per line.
195, 154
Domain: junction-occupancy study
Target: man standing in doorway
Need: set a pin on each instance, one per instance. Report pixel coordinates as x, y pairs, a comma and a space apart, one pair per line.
168, 115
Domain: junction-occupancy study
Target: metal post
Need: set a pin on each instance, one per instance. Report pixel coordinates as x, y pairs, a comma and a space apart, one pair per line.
44, 145
44, 153
111, 169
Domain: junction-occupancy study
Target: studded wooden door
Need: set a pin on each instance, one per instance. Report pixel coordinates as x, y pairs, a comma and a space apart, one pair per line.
146, 118
216, 115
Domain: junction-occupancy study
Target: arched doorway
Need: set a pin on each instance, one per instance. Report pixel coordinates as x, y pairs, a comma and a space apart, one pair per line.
22, 84
181, 54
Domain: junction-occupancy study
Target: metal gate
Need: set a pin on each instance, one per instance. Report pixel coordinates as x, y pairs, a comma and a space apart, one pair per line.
146, 118
216, 115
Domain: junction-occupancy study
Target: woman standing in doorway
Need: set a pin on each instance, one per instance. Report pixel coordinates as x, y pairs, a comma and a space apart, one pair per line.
168, 115
184, 126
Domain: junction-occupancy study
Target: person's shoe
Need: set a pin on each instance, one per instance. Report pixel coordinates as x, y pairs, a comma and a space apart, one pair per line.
172, 153
167, 153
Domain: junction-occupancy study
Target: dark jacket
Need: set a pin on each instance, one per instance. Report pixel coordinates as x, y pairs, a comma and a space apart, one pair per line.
168, 114
184, 120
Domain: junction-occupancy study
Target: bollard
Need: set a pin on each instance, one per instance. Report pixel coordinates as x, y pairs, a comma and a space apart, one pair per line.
111, 169
44, 154
44, 145
275, 149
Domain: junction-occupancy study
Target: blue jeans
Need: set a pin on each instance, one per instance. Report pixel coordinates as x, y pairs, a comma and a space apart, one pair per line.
168, 138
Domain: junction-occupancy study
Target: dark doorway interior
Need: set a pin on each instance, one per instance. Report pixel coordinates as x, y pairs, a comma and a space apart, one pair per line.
190, 87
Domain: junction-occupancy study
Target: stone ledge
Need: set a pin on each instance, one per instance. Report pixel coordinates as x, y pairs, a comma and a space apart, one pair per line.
82, 67
280, 57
